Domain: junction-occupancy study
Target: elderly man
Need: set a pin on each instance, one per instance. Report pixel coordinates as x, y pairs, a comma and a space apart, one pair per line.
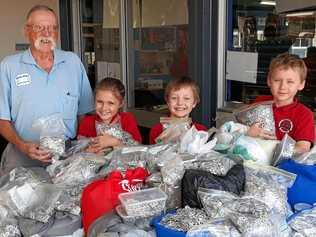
36, 83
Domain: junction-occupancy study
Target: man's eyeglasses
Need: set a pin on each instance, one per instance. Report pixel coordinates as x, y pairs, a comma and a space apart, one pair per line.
41, 28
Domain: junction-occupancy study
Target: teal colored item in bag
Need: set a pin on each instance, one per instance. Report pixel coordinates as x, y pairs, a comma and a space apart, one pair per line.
241, 151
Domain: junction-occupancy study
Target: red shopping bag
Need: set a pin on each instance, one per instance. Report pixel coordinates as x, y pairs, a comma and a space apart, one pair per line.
101, 196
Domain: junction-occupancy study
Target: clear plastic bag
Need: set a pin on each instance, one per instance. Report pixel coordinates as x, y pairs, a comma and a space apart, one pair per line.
250, 215
116, 131
136, 233
217, 228
250, 225
157, 153
154, 179
173, 191
77, 146
195, 142
168, 157
52, 133
257, 113
8, 224
160, 148
269, 184
69, 200
284, 150
9, 230
71, 175
173, 171
184, 219
26, 195
126, 157
229, 132
174, 195
215, 202
233, 127
173, 131
247, 148
304, 222
307, 158
80, 168
214, 162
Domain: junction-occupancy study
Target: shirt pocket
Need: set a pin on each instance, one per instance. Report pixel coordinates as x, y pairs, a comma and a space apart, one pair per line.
70, 106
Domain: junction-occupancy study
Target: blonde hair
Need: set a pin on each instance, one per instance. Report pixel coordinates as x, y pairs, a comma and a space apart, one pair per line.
181, 82
288, 61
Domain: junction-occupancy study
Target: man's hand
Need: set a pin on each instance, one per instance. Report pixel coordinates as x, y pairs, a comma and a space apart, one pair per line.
256, 130
29, 148
35, 152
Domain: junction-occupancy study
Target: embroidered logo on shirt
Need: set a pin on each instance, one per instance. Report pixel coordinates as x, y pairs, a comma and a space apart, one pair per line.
285, 125
23, 79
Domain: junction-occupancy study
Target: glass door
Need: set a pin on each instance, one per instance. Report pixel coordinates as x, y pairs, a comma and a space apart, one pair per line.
100, 38
257, 34
159, 50
142, 42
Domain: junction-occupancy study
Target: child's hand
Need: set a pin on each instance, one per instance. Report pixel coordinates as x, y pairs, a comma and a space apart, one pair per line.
100, 143
302, 146
95, 150
106, 141
256, 130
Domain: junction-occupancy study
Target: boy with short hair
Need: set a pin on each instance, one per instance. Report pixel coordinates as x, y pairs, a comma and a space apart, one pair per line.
181, 95
287, 74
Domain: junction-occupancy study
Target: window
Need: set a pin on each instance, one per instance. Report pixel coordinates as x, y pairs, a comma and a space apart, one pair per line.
100, 38
156, 46
258, 35
160, 49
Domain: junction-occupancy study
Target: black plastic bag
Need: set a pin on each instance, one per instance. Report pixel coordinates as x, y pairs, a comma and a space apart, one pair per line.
194, 179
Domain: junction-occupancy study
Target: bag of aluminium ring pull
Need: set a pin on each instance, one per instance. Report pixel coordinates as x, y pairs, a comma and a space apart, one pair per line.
257, 113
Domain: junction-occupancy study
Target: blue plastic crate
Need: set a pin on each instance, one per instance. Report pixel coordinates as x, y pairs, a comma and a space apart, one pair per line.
162, 231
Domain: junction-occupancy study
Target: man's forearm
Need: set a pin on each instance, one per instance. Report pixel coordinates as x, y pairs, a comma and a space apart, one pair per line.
30, 149
9, 133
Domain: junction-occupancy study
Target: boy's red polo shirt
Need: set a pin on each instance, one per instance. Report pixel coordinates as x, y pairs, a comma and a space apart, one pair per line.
295, 118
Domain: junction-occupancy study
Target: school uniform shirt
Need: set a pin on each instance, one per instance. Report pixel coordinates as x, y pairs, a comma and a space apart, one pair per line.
127, 121
157, 129
295, 119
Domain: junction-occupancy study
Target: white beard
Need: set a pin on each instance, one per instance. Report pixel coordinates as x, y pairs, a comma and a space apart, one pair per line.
38, 42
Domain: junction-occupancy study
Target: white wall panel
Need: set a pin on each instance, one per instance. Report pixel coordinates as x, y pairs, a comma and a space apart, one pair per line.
12, 18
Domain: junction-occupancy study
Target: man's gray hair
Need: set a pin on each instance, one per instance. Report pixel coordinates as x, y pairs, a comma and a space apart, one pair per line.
40, 8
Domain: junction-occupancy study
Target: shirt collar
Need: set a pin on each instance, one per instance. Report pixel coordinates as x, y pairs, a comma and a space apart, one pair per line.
28, 58
115, 119
286, 107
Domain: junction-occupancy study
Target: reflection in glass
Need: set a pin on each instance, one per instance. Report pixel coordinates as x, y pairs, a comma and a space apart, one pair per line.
257, 28
101, 38
160, 48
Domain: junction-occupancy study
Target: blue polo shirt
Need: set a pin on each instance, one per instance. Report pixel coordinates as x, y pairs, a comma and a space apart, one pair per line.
27, 92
